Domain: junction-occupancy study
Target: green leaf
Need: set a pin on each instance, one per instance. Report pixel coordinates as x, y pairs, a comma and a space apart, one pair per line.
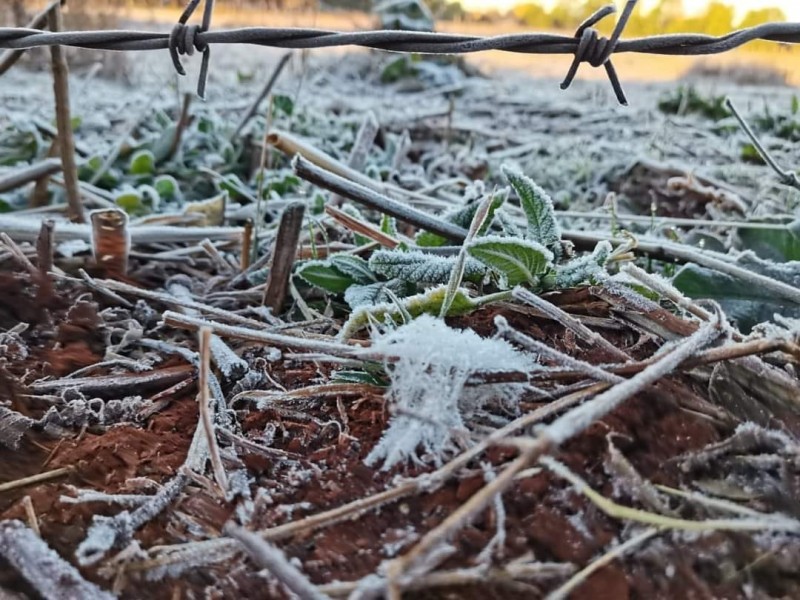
780, 245
236, 188
463, 218
745, 303
354, 267
538, 206
376, 293
519, 261
358, 377
795, 105
130, 201
143, 162
5, 206
687, 100
282, 103
161, 146
426, 239
167, 187
243, 76
398, 69
388, 225
322, 274
428, 303
751, 154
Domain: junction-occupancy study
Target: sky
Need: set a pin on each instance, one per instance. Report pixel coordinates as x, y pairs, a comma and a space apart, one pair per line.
790, 7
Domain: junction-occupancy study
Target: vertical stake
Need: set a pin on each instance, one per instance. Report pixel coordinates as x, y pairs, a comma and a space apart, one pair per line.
64, 121
283, 255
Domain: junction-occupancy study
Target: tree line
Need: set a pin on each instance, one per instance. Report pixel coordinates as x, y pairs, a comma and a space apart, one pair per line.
668, 16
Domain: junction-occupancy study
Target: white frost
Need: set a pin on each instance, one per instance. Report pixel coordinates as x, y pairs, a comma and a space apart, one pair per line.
428, 386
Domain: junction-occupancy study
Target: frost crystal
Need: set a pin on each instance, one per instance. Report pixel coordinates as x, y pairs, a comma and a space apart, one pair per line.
421, 267
428, 386
42, 567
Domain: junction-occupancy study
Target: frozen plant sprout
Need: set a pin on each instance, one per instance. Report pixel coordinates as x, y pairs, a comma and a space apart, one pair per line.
429, 392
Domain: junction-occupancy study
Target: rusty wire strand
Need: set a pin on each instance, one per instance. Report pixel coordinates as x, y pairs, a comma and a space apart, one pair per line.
587, 45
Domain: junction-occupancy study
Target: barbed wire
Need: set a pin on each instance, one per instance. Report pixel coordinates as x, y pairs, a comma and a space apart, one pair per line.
587, 45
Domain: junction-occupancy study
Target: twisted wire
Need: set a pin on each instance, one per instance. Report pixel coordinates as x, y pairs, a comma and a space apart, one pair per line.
586, 45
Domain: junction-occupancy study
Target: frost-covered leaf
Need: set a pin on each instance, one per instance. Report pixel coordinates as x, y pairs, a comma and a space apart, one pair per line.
431, 366
463, 218
588, 268
538, 206
780, 245
322, 274
354, 267
363, 377
519, 261
429, 302
389, 225
406, 15
419, 267
282, 104
13, 426
376, 293
41, 566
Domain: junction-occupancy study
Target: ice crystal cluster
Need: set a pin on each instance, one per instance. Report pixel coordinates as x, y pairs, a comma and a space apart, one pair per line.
431, 366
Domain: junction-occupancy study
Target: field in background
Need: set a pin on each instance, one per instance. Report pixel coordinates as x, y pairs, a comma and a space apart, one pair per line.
641, 68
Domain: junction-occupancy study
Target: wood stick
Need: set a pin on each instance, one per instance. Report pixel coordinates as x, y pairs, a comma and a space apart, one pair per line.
183, 121
283, 256
25, 175
64, 120
38, 478
26, 229
375, 200
361, 227
203, 399
111, 242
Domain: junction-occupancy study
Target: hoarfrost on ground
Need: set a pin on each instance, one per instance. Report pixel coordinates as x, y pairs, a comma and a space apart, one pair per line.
431, 364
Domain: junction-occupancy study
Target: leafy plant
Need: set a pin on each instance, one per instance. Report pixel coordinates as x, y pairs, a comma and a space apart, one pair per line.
687, 100
386, 289
519, 261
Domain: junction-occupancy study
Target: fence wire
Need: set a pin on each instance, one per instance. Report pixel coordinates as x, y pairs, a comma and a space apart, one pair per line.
587, 45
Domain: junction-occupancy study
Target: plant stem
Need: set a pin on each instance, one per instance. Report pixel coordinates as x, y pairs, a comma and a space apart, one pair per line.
787, 177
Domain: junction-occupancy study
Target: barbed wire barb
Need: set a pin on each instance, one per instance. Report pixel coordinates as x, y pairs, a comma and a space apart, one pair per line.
183, 39
597, 50
587, 45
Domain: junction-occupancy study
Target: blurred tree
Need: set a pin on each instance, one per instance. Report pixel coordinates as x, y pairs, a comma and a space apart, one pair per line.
764, 15
566, 14
716, 20
532, 15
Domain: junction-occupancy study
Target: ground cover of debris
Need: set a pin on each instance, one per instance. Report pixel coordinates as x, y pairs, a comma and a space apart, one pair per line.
405, 331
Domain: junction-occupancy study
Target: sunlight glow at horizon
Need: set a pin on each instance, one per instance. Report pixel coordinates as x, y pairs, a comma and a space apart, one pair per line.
790, 7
